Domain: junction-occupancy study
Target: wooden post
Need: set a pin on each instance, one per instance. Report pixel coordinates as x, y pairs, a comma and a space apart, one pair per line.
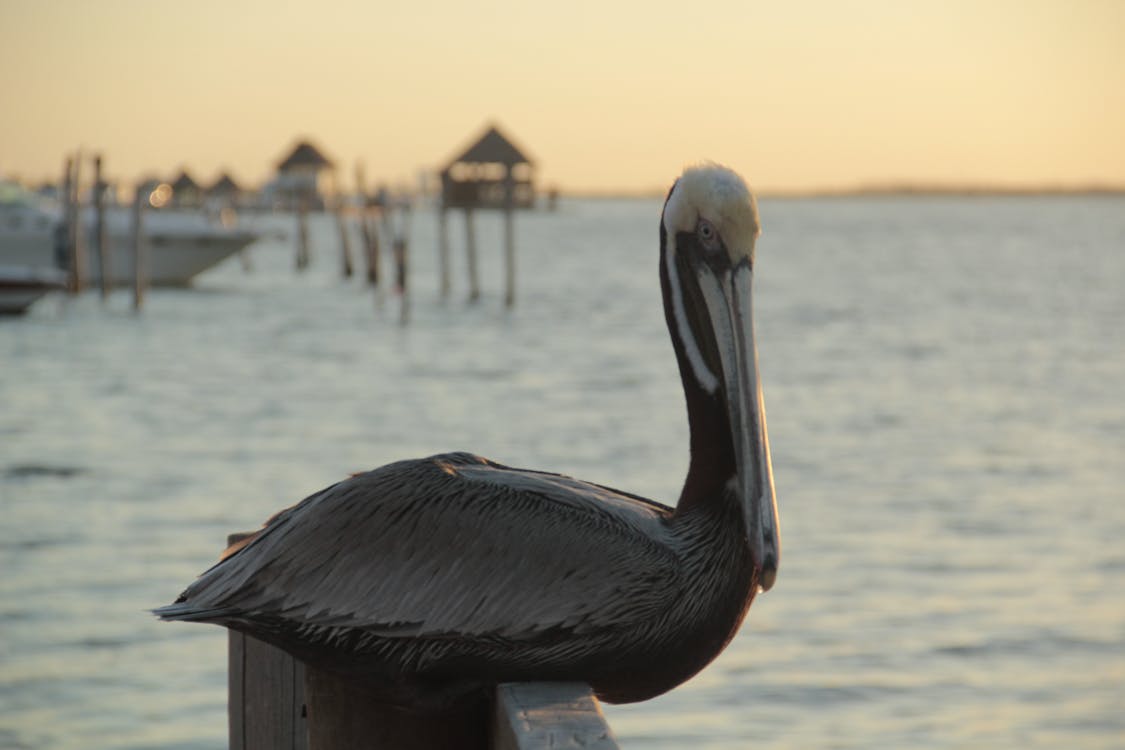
266, 699
471, 250
66, 227
400, 247
509, 240
302, 233
559, 715
374, 250
266, 693
367, 228
77, 230
343, 715
101, 241
345, 246
509, 259
370, 234
345, 238
278, 703
443, 250
140, 251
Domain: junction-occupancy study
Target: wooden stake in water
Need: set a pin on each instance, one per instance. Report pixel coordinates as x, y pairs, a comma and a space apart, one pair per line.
369, 235
345, 238
101, 242
64, 237
471, 251
140, 250
371, 223
401, 251
509, 241
69, 229
400, 247
77, 230
443, 251
302, 234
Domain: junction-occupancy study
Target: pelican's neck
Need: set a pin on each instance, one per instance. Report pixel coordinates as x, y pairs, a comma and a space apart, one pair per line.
713, 462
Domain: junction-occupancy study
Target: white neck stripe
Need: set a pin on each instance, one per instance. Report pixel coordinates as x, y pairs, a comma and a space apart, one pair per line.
703, 374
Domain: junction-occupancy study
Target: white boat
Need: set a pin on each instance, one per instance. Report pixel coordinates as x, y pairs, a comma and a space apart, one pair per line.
21, 286
178, 245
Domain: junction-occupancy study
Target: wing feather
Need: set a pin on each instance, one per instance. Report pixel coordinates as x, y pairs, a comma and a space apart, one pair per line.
453, 545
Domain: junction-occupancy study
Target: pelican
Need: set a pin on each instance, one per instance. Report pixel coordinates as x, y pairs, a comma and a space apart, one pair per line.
428, 580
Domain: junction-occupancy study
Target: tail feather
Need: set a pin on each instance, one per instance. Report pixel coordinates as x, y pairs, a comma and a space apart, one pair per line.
185, 612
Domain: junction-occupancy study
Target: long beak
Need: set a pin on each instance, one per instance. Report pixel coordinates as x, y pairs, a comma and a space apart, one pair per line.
728, 297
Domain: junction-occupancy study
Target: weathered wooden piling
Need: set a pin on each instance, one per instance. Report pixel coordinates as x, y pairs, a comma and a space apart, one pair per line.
368, 228
101, 240
140, 248
344, 715
509, 241
346, 266
302, 261
341, 208
490, 174
374, 251
443, 253
266, 697
77, 228
555, 715
68, 229
471, 255
278, 703
400, 248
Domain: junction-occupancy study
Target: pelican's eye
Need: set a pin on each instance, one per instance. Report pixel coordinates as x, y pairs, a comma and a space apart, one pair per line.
708, 235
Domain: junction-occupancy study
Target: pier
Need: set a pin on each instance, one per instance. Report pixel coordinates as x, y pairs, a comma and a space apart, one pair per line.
277, 703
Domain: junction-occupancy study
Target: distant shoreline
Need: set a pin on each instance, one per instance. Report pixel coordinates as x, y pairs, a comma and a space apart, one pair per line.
888, 191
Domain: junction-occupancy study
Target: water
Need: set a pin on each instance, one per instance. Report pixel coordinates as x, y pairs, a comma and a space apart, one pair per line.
944, 384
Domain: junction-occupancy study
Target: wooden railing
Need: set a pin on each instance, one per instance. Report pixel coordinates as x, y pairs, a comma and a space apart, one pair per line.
277, 703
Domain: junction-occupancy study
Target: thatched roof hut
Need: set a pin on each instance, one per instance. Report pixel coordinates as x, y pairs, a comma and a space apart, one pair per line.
186, 192
301, 178
491, 173
304, 156
223, 187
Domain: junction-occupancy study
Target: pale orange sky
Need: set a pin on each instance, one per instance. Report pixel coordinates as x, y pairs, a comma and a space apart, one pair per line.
605, 95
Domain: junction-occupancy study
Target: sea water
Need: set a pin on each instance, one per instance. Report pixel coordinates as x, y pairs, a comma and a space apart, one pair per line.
945, 383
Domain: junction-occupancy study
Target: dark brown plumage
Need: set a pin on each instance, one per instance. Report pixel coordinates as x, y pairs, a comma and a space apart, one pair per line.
430, 578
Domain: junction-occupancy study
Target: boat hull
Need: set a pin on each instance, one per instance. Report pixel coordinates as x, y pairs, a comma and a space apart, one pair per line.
20, 287
177, 247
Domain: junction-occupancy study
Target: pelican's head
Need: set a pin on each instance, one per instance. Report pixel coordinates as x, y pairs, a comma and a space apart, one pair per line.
708, 231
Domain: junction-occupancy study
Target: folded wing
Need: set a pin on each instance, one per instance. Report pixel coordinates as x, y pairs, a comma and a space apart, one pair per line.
451, 545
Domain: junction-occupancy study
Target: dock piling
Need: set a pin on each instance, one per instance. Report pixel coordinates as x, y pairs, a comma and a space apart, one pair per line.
140, 249
302, 262
278, 703
509, 243
101, 240
345, 238
443, 251
471, 252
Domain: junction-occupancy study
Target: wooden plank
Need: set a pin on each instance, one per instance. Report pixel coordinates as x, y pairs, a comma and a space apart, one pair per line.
556, 715
236, 696
266, 693
277, 703
101, 236
343, 715
471, 251
266, 697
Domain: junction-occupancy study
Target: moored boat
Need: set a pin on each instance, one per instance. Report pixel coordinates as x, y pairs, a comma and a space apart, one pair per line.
180, 245
21, 286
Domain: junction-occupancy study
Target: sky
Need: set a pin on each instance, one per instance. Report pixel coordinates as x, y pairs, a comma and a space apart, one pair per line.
604, 96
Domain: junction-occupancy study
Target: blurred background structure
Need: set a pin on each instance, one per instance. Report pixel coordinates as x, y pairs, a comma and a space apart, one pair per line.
939, 307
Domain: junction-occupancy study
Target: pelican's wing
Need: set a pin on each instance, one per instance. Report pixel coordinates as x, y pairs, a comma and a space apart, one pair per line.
453, 544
